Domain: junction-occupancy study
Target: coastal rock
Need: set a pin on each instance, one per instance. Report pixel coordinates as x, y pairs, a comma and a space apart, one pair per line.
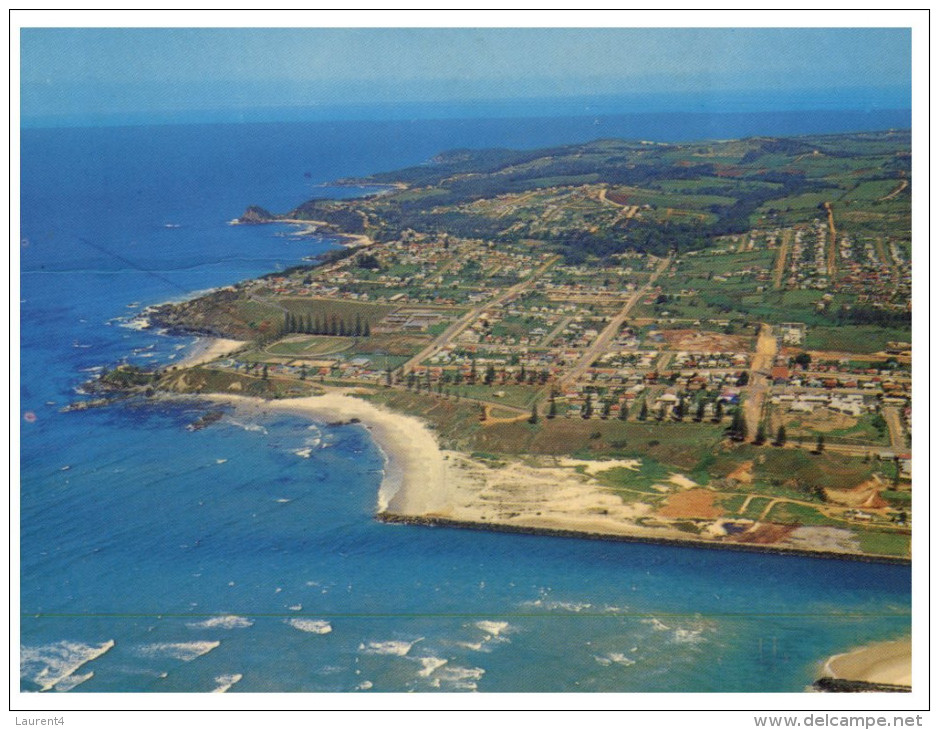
256, 214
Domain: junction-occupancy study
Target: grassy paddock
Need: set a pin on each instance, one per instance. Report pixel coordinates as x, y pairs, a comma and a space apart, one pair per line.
858, 338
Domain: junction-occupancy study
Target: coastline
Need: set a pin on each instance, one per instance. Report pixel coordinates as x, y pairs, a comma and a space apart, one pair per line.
207, 349
310, 227
414, 466
883, 663
426, 485
430, 521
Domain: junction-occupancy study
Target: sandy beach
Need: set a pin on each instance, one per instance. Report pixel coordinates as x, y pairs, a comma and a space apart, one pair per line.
207, 349
888, 662
423, 480
415, 472
426, 484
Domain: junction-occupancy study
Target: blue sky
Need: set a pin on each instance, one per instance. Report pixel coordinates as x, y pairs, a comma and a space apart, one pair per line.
90, 71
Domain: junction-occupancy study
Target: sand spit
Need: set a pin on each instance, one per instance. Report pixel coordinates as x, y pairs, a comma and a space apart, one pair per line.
888, 663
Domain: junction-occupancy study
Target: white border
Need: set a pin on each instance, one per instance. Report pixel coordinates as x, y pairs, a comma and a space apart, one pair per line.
748, 704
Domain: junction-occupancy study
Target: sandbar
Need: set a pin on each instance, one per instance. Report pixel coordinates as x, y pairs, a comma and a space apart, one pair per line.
888, 662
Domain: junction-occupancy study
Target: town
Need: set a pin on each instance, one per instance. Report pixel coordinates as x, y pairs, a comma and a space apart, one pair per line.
774, 363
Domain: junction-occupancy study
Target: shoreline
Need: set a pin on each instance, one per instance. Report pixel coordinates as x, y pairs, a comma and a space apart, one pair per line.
432, 521
206, 349
883, 663
409, 449
423, 484
349, 240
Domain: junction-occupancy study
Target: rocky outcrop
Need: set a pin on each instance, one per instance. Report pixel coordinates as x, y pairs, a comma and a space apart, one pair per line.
256, 214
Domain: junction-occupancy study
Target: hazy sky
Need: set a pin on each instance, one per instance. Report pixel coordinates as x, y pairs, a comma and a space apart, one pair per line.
106, 71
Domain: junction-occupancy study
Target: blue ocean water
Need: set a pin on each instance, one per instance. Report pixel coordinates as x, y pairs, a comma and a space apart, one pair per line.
154, 558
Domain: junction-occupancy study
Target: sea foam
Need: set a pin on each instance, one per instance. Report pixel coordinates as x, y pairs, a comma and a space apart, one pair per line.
430, 664
222, 622
50, 665
72, 681
494, 628
464, 678
184, 651
309, 625
389, 648
226, 682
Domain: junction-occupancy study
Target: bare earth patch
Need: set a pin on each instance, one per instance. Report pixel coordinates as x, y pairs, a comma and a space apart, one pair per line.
743, 473
692, 504
856, 496
697, 341
765, 534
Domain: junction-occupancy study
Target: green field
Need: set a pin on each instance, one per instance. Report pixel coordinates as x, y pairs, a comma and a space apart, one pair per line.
858, 338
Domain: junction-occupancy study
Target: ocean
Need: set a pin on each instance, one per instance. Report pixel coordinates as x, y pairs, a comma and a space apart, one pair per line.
244, 557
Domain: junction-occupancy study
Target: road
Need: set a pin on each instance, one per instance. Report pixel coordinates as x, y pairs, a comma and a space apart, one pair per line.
899, 189
556, 331
833, 240
897, 439
612, 329
759, 381
467, 319
781, 258
628, 211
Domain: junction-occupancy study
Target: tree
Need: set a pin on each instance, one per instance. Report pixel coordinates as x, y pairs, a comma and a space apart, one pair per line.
699, 413
264, 372
738, 426
490, 374
803, 359
534, 414
719, 411
552, 408
605, 413
388, 378
357, 332
303, 372
587, 410
680, 410
820, 444
760, 438
366, 329
623, 410
411, 379
744, 378
643, 411
781, 436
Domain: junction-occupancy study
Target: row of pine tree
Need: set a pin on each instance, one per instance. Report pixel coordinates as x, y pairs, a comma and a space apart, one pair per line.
333, 325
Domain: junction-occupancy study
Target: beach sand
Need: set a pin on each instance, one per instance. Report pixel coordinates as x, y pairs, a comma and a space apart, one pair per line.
425, 483
422, 480
414, 480
207, 349
889, 662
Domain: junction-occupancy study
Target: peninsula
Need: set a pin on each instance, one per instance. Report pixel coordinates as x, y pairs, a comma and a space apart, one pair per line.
706, 344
